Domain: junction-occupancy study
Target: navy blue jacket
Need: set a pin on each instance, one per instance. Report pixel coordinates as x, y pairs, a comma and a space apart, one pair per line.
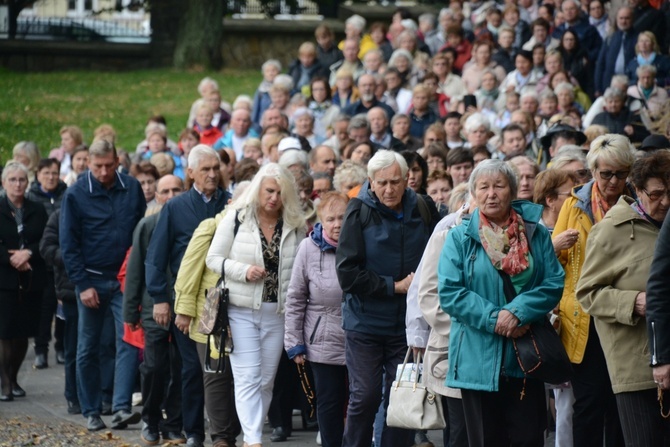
370, 258
96, 226
358, 107
178, 220
588, 36
608, 55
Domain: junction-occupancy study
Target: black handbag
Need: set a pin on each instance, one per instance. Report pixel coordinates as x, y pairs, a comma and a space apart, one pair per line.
540, 352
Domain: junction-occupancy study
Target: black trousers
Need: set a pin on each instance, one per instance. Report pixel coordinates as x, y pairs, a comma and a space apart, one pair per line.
641, 420
595, 417
502, 419
331, 388
285, 395
455, 433
220, 400
46, 316
161, 380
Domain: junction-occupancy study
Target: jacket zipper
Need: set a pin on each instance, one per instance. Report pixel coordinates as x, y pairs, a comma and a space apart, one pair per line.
654, 361
316, 326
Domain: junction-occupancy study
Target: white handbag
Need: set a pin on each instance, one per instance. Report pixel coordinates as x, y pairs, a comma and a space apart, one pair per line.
411, 404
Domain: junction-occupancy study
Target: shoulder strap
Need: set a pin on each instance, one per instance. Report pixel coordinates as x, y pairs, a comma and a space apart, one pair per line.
237, 223
424, 210
508, 287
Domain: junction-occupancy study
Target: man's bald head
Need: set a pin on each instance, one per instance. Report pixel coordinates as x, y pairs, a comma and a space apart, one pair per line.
168, 186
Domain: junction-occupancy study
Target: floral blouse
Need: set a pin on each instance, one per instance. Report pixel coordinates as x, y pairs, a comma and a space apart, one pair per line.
271, 261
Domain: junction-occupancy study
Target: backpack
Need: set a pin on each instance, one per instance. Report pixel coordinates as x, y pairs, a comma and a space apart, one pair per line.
368, 214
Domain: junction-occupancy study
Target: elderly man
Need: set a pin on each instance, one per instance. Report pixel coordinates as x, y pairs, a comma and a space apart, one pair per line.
359, 129
323, 159
161, 363
178, 220
384, 233
350, 62
617, 50
381, 136
437, 40
98, 215
366, 89
578, 23
239, 132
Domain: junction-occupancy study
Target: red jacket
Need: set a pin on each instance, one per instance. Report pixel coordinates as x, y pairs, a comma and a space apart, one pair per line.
209, 135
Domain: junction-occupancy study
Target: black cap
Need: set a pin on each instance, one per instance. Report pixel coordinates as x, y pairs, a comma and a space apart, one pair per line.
653, 142
571, 132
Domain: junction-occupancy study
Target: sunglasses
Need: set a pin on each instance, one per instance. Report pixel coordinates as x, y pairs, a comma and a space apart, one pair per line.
621, 175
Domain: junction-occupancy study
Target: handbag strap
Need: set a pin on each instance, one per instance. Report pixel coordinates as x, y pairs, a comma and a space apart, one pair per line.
404, 363
508, 287
223, 272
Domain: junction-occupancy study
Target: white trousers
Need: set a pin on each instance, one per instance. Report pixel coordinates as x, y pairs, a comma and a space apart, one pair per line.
258, 336
565, 399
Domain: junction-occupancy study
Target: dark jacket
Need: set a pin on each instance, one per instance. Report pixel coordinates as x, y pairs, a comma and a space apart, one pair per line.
418, 125
648, 18
504, 59
662, 64
50, 200
51, 252
587, 33
658, 304
34, 221
358, 107
96, 226
604, 69
616, 124
178, 220
372, 255
135, 293
329, 57
295, 71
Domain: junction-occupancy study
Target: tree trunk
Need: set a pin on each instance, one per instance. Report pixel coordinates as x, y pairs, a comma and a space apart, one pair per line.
199, 35
165, 18
14, 8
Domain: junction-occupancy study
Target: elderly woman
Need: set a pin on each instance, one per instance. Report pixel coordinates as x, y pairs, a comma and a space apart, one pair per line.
609, 159
401, 60
565, 93
481, 62
501, 241
612, 289
22, 275
649, 53
618, 118
257, 264
70, 138
303, 126
314, 317
349, 176
488, 93
651, 98
477, 130
571, 158
27, 153
147, 174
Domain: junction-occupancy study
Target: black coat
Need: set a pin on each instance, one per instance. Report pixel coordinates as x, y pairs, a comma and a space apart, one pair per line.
658, 300
50, 251
34, 221
51, 202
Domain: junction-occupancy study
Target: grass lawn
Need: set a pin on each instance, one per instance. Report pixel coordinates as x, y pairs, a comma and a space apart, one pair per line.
34, 106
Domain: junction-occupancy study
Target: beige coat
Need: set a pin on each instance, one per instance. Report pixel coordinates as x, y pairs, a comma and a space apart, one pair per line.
619, 252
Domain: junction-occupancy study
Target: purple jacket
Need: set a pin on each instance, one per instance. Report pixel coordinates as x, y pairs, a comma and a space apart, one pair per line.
313, 308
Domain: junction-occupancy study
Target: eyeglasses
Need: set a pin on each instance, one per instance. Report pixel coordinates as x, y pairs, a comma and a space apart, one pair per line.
621, 175
17, 180
582, 173
656, 195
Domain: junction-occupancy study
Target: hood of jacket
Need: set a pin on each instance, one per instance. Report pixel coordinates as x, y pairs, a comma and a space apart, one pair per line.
35, 188
316, 236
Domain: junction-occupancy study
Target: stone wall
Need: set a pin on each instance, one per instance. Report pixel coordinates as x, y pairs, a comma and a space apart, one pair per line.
249, 43
27, 55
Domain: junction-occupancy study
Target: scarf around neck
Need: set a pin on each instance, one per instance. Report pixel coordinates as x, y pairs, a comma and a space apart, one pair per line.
506, 246
599, 206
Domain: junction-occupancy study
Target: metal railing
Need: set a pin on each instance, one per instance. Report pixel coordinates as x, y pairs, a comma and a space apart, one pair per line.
78, 30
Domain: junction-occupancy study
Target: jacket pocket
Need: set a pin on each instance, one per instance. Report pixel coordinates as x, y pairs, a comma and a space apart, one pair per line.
316, 326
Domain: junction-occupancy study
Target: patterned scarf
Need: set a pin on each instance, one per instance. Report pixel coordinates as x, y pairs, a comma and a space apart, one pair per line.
506, 246
599, 206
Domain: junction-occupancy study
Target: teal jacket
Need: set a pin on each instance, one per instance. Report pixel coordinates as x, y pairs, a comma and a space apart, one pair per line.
471, 292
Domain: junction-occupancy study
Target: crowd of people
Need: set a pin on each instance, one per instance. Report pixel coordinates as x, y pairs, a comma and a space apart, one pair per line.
378, 196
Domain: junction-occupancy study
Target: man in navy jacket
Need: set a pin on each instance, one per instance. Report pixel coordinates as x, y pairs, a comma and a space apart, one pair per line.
617, 50
588, 35
178, 220
98, 215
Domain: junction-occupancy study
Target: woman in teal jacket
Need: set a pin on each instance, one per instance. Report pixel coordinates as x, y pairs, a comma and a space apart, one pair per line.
501, 407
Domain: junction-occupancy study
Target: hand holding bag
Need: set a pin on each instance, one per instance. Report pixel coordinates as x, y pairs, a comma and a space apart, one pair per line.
412, 405
214, 322
540, 352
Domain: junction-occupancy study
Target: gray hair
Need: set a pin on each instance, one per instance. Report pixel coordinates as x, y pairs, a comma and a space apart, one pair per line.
359, 121
291, 157
568, 154
356, 21
490, 167
400, 52
459, 195
651, 69
342, 117
383, 159
248, 202
575, 2
200, 152
271, 62
284, 82
475, 121
612, 93
237, 104
399, 116
548, 94
427, 17
619, 79
525, 93
565, 86
349, 172
30, 150
101, 148
444, 12
613, 149
205, 82
13, 166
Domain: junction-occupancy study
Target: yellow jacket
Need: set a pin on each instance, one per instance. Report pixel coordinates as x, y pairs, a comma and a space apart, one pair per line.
365, 44
575, 214
194, 277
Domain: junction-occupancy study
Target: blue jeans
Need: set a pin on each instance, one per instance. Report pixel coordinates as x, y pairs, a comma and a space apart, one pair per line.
91, 332
192, 386
367, 357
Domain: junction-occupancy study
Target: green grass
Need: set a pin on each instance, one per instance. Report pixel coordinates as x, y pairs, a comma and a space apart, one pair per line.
34, 106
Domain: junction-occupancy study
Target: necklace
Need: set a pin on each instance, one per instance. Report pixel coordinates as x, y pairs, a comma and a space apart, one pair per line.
575, 265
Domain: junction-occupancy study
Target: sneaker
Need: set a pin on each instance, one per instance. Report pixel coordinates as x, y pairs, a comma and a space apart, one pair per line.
318, 438
95, 423
137, 399
149, 434
123, 418
73, 407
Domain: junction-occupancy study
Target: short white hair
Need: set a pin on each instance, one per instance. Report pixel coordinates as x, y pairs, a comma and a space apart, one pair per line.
475, 121
207, 81
356, 21
283, 81
200, 152
400, 52
490, 167
13, 166
383, 159
271, 62
444, 12
565, 86
291, 157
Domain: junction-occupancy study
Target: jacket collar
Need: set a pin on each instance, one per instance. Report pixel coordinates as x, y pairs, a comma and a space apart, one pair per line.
622, 212
531, 214
93, 183
409, 202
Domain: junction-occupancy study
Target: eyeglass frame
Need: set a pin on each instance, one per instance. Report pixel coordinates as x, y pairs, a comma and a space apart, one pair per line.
609, 174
